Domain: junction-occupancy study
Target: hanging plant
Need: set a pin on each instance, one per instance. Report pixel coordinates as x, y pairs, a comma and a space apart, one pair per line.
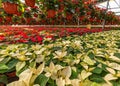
10, 6
30, 3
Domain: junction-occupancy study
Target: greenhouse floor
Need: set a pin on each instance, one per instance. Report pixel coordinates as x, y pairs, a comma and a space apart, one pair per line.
59, 57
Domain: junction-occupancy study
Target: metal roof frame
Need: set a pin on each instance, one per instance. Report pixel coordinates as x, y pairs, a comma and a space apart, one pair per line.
110, 8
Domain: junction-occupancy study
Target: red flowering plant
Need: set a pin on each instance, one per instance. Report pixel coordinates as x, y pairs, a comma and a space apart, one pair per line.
12, 6
56, 12
1, 18
30, 3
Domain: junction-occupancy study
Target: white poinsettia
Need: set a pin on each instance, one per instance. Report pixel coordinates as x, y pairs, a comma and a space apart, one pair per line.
113, 65
78, 42
28, 53
17, 83
118, 74
40, 51
75, 82
36, 72
22, 58
46, 52
112, 71
26, 76
4, 52
12, 47
65, 72
49, 46
66, 42
114, 58
19, 55
56, 71
67, 81
84, 74
40, 69
79, 56
36, 85
52, 70
20, 65
1, 59
40, 58
60, 81
89, 45
84, 65
88, 60
109, 77
36, 47
60, 54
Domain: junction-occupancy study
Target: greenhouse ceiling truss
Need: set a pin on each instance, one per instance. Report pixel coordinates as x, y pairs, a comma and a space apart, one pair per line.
110, 8
111, 5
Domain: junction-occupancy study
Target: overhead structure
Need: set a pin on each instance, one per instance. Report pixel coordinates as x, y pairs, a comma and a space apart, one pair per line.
110, 5
114, 6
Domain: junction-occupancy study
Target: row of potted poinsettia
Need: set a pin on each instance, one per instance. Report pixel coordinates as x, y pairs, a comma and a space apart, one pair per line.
32, 35
54, 12
88, 60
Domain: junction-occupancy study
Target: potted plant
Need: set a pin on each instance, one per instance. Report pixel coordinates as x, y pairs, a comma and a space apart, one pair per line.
10, 6
30, 3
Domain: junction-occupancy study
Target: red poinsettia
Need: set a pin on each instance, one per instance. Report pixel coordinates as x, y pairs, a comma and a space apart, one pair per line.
49, 36
8, 19
81, 18
60, 0
61, 8
2, 37
75, 1
18, 13
51, 13
39, 39
35, 15
69, 16
30, 3
1, 19
28, 20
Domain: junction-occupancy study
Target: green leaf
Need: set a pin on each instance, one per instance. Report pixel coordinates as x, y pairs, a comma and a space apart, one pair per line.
3, 67
95, 84
116, 83
12, 63
51, 82
56, 48
21, 70
91, 55
3, 79
117, 55
74, 75
3, 71
5, 60
97, 70
0, 3
10, 66
86, 83
20, 65
96, 78
41, 80
33, 64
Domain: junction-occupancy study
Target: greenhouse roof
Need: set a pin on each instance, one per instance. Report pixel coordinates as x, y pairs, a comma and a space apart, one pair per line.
113, 5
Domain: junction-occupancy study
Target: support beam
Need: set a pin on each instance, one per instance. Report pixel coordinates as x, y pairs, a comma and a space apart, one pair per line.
105, 13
